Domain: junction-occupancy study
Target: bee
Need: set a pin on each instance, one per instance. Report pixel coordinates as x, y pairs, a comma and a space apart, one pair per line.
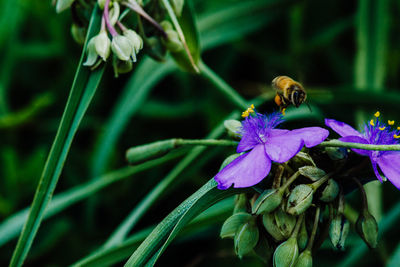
288, 92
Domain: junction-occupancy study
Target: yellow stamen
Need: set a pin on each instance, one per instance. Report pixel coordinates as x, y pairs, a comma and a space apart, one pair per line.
283, 111
382, 128
377, 114
245, 114
252, 106
398, 128
396, 136
372, 122
390, 122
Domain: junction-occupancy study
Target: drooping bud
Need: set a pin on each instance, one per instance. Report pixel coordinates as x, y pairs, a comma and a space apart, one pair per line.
336, 153
311, 172
121, 47
302, 238
330, 192
232, 224
233, 128
241, 203
177, 6
300, 199
338, 231
78, 33
246, 237
102, 44
91, 57
304, 259
286, 254
268, 201
135, 39
367, 228
114, 13
279, 224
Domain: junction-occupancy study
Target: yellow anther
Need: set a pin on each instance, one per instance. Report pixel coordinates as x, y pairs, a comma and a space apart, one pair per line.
377, 114
245, 114
372, 122
398, 128
396, 136
252, 106
382, 128
390, 122
283, 111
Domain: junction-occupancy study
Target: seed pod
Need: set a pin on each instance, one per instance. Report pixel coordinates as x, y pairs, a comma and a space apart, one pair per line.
286, 254
232, 224
268, 201
338, 231
311, 172
330, 192
300, 199
367, 228
279, 224
304, 259
233, 128
246, 237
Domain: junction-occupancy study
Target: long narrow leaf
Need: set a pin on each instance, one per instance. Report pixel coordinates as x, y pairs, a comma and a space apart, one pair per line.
82, 92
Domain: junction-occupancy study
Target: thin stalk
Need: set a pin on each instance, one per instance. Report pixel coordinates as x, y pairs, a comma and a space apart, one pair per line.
337, 143
314, 230
297, 227
225, 88
321, 181
363, 194
289, 182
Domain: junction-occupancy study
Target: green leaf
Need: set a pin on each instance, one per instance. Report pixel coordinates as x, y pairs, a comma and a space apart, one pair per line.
155, 244
82, 91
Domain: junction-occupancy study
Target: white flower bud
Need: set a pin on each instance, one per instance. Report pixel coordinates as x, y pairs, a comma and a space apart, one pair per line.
101, 3
121, 47
135, 39
91, 53
114, 13
102, 45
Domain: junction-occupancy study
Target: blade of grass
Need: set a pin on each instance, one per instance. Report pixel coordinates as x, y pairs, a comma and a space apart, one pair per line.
137, 213
82, 91
12, 226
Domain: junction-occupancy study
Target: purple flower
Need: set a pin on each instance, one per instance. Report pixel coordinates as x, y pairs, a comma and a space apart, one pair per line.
266, 144
376, 133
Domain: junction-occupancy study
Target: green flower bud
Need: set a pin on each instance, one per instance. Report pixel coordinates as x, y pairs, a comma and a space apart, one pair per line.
139, 154
166, 25
304, 260
233, 223
300, 199
286, 254
336, 153
311, 172
121, 46
78, 33
172, 42
302, 159
121, 67
268, 201
338, 231
114, 13
229, 160
246, 237
233, 128
135, 39
92, 55
102, 44
177, 6
330, 191
241, 203
279, 224
367, 228
302, 238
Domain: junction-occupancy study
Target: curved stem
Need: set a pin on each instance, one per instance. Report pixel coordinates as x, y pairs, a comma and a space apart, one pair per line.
363, 194
106, 16
337, 143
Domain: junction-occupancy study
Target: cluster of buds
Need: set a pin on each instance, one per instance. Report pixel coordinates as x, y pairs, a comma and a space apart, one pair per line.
298, 206
118, 41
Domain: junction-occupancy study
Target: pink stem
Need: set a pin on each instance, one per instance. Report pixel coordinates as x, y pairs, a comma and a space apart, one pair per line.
106, 16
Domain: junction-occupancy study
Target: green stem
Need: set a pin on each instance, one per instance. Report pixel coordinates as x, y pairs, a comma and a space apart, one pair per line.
225, 88
289, 182
297, 227
363, 194
320, 181
314, 230
337, 143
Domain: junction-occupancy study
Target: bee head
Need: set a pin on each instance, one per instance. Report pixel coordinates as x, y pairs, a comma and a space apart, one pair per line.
298, 96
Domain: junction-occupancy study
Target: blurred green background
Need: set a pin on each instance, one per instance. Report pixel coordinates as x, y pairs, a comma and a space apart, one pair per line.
345, 53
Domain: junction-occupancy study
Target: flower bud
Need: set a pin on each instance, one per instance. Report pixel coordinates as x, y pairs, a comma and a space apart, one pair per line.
121, 47
139, 154
302, 159
367, 228
336, 153
304, 259
233, 128
300, 199
177, 6
279, 224
241, 203
78, 33
102, 44
121, 66
330, 191
101, 3
135, 39
246, 237
91, 53
302, 238
286, 254
114, 13
338, 231
172, 42
166, 25
268, 201
232, 224
311, 172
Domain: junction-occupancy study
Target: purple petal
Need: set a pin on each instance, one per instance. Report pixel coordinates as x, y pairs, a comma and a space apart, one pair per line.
311, 136
282, 148
377, 174
277, 132
246, 170
357, 139
341, 128
246, 143
389, 163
